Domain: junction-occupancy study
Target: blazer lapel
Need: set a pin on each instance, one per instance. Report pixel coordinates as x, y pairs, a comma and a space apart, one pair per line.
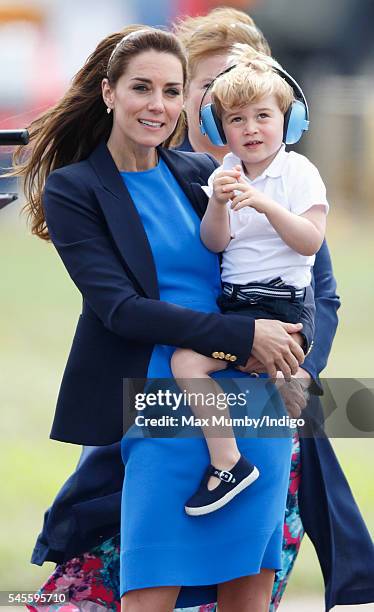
124, 221
122, 216
181, 169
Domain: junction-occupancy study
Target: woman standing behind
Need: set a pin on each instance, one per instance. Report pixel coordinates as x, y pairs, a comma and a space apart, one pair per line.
80, 528
208, 40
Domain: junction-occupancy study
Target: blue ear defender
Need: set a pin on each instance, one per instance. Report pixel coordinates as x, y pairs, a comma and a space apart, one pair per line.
295, 123
211, 125
296, 119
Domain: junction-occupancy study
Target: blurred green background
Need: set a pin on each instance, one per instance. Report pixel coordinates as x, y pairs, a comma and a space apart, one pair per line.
39, 309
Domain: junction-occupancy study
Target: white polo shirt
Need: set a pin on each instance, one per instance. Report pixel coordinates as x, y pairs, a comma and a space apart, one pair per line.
256, 253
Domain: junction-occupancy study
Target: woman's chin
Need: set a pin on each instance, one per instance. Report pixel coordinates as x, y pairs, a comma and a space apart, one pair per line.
150, 136
153, 139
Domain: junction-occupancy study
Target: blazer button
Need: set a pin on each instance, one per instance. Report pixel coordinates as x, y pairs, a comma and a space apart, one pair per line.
233, 358
215, 355
227, 356
221, 355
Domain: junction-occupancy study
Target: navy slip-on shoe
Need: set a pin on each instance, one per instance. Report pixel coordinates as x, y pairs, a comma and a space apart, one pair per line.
232, 482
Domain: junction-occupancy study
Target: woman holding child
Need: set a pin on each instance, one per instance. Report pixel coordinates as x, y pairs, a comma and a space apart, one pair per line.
126, 224
99, 472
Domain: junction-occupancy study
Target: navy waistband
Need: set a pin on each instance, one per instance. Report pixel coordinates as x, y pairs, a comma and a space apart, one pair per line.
255, 292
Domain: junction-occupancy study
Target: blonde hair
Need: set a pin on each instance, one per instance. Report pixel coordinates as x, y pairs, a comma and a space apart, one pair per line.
253, 77
216, 33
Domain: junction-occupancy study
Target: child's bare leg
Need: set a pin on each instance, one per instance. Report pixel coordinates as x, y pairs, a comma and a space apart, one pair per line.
187, 365
232, 472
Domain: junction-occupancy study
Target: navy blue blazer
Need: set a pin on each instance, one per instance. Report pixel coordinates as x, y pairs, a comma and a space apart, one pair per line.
86, 511
98, 233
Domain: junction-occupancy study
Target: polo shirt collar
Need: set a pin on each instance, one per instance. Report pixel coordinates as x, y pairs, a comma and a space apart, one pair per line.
274, 170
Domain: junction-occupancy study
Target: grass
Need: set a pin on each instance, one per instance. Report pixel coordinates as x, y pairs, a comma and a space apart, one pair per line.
39, 309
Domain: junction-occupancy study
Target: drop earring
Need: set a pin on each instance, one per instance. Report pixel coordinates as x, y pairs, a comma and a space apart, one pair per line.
108, 110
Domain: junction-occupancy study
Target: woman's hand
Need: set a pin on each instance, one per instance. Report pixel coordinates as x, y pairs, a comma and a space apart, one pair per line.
304, 377
275, 347
253, 366
294, 394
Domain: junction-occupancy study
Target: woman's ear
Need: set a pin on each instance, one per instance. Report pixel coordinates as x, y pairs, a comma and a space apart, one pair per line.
107, 93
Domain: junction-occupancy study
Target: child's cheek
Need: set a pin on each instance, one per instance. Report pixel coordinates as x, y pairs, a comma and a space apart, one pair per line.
233, 140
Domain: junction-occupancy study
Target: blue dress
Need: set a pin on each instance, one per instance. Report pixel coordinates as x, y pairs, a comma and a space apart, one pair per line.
160, 544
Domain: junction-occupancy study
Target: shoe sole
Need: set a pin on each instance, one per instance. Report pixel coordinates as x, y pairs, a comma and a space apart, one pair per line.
226, 498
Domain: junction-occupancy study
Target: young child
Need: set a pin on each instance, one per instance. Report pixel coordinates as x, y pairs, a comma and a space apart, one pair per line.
266, 214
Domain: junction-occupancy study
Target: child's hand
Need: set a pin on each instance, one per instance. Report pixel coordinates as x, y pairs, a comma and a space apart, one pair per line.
224, 184
251, 197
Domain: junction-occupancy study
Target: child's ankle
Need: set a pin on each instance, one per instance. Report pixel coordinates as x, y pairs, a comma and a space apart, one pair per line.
226, 461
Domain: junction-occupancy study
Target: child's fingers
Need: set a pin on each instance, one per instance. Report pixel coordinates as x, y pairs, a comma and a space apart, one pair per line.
228, 187
238, 168
240, 201
244, 187
227, 174
239, 197
242, 204
223, 180
226, 183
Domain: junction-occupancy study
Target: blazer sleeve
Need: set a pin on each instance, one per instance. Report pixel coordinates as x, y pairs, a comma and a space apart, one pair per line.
215, 163
78, 231
327, 304
307, 318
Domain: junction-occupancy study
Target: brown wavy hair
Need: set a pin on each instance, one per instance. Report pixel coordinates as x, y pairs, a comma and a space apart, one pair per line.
72, 128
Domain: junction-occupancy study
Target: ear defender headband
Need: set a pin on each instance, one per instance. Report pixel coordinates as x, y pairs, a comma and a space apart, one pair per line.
296, 119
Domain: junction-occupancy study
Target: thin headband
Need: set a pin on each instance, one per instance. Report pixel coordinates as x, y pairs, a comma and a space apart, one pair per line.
129, 35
